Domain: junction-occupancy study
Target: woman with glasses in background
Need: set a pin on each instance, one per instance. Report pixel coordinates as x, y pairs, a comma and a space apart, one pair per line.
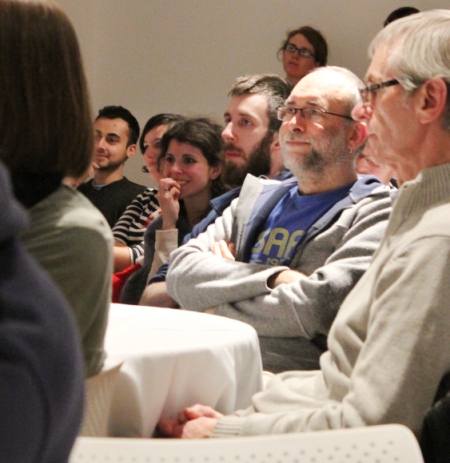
303, 50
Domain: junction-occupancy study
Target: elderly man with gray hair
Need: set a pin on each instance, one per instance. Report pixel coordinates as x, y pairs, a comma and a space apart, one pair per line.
389, 345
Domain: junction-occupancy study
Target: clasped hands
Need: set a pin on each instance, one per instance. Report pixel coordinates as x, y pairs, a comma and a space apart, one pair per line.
193, 422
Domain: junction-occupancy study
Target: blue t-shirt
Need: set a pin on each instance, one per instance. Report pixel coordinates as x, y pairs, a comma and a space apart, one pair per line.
288, 223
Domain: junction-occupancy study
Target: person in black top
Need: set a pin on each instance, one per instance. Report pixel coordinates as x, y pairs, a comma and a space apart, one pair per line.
116, 135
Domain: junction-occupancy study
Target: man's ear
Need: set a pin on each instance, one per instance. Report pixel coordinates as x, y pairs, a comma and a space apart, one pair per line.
275, 144
131, 150
430, 100
356, 135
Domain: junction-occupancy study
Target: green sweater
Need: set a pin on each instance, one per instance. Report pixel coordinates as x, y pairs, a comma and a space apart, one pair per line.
71, 239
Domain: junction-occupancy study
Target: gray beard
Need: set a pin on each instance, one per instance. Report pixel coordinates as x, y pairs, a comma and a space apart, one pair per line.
315, 162
259, 163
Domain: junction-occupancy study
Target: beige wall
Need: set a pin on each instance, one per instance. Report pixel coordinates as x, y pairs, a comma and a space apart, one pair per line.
182, 56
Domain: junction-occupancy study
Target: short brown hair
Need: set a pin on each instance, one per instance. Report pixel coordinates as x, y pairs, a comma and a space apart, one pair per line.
274, 87
45, 116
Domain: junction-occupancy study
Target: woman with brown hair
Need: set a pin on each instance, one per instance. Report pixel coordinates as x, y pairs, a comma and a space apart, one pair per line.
192, 160
46, 135
303, 50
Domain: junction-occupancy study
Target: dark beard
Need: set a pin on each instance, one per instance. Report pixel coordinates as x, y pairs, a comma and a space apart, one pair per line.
111, 167
258, 164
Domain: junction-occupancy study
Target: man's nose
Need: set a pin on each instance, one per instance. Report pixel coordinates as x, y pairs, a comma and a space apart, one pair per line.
227, 133
100, 143
297, 123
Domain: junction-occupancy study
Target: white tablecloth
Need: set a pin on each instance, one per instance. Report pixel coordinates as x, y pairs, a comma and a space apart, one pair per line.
176, 358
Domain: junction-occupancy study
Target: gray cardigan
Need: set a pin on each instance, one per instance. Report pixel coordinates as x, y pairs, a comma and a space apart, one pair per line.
292, 317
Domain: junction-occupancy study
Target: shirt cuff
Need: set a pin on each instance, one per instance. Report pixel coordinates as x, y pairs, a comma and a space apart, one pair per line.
228, 426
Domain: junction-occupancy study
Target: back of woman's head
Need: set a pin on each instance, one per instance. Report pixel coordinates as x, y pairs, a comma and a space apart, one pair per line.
45, 117
204, 134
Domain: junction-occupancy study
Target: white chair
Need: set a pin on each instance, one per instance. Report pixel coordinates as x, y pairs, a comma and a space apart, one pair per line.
376, 444
99, 390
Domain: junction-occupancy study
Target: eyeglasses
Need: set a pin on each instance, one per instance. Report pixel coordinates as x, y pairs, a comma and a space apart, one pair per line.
286, 113
366, 92
302, 52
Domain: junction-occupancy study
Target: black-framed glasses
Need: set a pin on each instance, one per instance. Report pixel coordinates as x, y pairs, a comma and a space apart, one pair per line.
369, 90
286, 113
302, 52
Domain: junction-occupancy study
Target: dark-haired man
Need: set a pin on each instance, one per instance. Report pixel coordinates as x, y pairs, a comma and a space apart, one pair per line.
116, 135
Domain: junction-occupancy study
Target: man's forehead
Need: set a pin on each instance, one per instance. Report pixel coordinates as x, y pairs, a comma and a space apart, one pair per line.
250, 104
312, 96
319, 89
377, 68
113, 126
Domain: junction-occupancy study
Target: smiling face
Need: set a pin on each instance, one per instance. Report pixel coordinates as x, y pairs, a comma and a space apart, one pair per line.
152, 141
186, 165
314, 145
295, 66
110, 143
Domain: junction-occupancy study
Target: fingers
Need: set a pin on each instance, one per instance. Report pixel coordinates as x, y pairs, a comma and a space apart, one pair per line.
193, 422
168, 184
197, 411
170, 428
169, 190
223, 249
216, 250
232, 248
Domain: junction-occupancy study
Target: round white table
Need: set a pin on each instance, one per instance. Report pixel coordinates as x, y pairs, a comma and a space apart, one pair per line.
176, 358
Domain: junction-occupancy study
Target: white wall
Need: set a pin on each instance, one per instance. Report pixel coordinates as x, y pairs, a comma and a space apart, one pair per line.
182, 56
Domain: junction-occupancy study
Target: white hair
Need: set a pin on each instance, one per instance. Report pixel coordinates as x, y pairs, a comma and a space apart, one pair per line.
419, 47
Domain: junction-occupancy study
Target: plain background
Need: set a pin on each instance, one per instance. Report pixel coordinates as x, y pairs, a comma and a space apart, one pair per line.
182, 56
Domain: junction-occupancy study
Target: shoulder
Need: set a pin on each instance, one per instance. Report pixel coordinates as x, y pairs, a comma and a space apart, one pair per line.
67, 211
254, 186
369, 194
369, 186
130, 184
146, 197
86, 186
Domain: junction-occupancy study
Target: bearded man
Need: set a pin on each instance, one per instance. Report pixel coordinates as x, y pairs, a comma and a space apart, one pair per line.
285, 254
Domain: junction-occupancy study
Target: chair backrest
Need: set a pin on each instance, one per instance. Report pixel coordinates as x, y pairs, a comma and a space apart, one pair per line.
386, 444
99, 390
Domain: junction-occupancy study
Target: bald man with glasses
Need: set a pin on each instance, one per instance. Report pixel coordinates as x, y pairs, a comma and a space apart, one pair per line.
285, 254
